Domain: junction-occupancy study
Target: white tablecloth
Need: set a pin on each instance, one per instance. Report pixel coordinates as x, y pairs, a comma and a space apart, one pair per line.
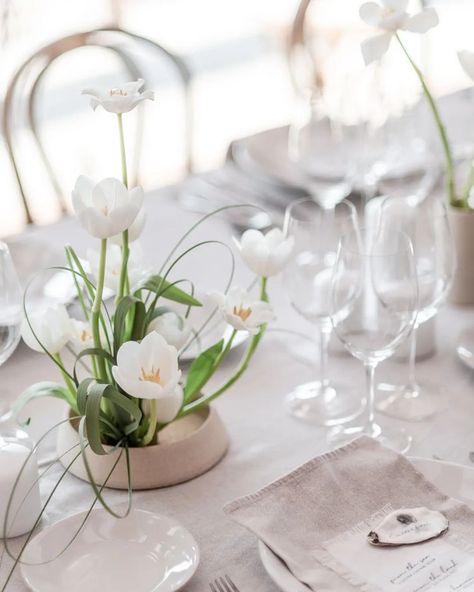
265, 441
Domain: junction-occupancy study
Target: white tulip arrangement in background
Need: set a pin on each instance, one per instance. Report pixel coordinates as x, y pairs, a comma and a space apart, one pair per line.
390, 18
134, 386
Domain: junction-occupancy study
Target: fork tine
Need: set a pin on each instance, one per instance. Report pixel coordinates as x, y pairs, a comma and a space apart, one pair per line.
233, 587
222, 585
212, 587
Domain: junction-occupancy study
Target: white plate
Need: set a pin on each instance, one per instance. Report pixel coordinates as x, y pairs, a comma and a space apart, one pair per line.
454, 480
144, 552
465, 348
267, 153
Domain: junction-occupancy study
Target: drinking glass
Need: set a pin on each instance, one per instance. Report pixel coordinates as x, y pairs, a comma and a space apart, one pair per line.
10, 305
307, 279
374, 298
426, 223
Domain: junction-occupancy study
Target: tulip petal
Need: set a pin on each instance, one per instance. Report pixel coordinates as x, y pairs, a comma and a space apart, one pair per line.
422, 22
134, 86
466, 58
375, 47
371, 13
397, 5
167, 408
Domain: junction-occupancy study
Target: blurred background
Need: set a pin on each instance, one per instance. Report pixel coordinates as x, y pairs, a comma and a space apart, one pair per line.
236, 52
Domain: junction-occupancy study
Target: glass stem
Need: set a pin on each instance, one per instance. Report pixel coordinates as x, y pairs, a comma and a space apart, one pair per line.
370, 374
412, 385
324, 336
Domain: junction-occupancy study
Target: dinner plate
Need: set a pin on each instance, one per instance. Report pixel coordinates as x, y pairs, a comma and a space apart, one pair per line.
465, 348
452, 479
267, 153
144, 552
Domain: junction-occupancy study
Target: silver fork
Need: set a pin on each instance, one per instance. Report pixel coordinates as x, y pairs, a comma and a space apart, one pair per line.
224, 584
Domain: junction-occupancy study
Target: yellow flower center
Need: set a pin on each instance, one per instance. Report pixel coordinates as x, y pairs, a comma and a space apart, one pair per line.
153, 376
85, 336
241, 312
114, 92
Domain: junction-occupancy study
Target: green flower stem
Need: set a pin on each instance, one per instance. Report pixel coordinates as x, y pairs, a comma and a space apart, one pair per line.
80, 295
123, 155
451, 183
151, 432
96, 307
203, 401
123, 284
71, 387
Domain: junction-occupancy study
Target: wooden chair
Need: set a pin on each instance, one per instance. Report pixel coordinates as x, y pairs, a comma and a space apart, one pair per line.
25, 85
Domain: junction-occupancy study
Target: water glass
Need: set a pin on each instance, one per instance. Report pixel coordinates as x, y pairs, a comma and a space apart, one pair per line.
307, 278
426, 223
374, 300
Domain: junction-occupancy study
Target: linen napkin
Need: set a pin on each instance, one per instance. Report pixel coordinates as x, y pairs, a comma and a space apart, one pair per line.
316, 519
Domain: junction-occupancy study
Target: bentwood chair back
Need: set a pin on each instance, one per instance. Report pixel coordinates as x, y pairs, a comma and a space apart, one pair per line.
20, 113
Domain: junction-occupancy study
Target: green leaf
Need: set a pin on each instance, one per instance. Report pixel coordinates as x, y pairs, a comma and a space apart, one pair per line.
40, 390
170, 291
201, 369
126, 305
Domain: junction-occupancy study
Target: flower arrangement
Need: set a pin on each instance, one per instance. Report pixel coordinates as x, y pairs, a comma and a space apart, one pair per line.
134, 386
390, 17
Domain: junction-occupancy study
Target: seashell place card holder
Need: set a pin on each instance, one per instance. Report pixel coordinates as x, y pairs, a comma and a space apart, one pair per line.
408, 527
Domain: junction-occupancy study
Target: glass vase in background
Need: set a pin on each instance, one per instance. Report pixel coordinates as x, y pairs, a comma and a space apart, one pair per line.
374, 300
307, 280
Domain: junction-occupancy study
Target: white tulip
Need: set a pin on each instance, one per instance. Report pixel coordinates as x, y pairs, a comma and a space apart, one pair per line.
242, 311
107, 208
467, 62
136, 268
173, 327
81, 335
391, 16
266, 255
121, 99
134, 231
149, 369
52, 327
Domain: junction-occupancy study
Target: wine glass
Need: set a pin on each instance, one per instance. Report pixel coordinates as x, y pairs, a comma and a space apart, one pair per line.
307, 279
10, 305
426, 223
374, 299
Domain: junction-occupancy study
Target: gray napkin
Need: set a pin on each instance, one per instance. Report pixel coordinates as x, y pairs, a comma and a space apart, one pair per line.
317, 519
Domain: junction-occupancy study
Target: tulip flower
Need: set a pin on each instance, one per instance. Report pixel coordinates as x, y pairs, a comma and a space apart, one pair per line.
121, 99
149, 369
266, 255
242, 312
174, 328
136, 268
52, 329
391, 16
107, 208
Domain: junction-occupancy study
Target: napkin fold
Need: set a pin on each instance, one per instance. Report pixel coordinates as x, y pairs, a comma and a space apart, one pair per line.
316, 519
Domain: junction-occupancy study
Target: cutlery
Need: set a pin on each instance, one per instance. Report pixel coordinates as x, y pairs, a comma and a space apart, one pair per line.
224, 584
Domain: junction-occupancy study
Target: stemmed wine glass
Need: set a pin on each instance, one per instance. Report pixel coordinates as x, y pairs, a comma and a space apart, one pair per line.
374, 299
307, 277
10, 306
426, 223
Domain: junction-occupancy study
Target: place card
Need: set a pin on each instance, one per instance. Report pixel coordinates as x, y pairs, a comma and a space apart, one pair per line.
436, 564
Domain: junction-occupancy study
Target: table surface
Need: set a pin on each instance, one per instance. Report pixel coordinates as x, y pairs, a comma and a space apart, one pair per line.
265, 441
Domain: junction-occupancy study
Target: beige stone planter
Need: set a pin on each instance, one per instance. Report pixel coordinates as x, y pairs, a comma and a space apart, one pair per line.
188, 448
462, 226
